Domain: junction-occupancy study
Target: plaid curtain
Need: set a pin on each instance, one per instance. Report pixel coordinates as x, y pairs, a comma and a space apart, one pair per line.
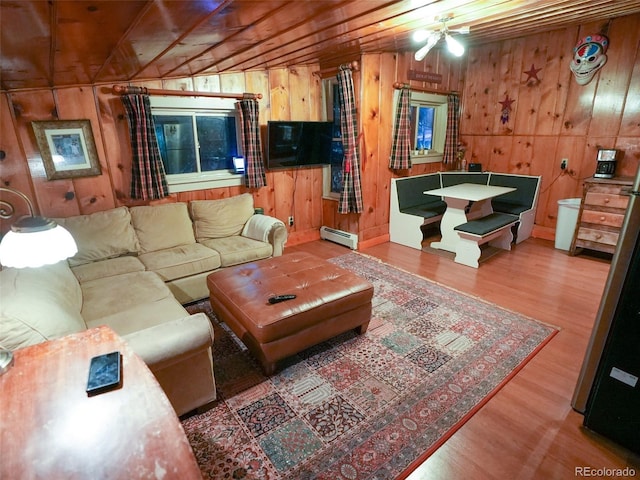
351, 196
148, 180
249, 112
401, 147
452, 137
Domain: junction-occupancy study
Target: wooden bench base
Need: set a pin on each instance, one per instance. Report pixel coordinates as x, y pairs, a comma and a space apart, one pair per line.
494, 229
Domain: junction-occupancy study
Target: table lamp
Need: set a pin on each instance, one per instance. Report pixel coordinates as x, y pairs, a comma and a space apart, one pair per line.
33, 241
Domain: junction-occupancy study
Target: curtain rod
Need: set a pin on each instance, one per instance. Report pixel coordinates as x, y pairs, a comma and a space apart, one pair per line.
353, 65
399, 85
129, 89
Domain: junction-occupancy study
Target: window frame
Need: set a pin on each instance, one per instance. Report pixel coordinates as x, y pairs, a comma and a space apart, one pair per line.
439, 103
187, 182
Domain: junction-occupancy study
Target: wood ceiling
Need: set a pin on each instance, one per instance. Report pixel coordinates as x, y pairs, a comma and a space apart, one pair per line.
76, 42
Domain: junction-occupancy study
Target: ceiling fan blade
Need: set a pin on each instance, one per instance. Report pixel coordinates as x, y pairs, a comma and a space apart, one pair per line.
462, 30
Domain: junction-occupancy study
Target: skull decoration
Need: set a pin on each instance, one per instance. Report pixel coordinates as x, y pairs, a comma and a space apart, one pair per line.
589, 56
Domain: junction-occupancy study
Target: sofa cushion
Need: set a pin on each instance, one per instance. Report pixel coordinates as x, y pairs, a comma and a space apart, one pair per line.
38, 304
182, 261
107, 268
237, 249
142, 292
162, 226
101, 235
221, 218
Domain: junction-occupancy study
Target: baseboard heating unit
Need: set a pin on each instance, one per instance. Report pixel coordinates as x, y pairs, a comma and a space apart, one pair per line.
338, 236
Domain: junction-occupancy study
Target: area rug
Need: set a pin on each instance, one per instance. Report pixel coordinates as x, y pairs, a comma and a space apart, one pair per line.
367, 406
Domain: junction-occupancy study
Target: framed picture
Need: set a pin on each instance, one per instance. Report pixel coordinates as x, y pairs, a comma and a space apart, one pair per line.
67, 148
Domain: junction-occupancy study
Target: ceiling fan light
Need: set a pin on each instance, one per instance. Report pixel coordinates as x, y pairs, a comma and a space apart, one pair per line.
454, 46
420, 35
432, 39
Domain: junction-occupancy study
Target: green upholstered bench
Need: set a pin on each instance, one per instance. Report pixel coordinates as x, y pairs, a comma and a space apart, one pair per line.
449, 179
411, 209
413, 201
521, 202
494, 229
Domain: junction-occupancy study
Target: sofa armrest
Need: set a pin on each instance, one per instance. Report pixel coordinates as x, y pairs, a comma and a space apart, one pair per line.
168, 343
268, 229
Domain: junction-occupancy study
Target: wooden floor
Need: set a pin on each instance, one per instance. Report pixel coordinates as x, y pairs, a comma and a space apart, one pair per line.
528, 430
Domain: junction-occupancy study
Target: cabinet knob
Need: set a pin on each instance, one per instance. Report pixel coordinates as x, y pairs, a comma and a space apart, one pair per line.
606, 200
598, 236
603, 218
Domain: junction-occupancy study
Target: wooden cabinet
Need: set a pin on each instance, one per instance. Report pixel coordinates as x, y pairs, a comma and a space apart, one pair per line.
602, 210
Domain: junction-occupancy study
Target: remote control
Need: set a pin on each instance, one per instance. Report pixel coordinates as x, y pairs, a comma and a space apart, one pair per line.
281, 298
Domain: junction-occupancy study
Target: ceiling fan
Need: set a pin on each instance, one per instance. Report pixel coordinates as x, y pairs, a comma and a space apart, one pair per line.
431, 37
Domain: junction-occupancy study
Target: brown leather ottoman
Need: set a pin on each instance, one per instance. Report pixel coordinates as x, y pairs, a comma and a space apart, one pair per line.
330, 300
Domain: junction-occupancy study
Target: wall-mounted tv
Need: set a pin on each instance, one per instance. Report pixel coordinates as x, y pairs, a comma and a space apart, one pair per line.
292, 144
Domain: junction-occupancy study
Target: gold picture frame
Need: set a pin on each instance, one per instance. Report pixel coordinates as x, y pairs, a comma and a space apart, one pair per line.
67, 147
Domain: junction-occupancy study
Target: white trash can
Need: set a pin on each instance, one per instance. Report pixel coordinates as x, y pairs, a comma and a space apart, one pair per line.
566, 225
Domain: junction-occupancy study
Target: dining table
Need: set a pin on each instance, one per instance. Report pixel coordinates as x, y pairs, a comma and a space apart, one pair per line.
465, 201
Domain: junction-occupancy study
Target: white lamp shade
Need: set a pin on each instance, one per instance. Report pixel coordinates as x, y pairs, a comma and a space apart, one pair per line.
34, 249
454, 45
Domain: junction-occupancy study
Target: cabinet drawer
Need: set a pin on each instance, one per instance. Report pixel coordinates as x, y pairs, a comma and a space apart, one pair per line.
597, 236
602, 218
606, 200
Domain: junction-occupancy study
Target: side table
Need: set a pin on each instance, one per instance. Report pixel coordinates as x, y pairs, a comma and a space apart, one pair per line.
50, 428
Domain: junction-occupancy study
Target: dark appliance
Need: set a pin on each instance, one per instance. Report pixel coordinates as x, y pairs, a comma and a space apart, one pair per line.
475, 167
608, 389
292, 144
606, 164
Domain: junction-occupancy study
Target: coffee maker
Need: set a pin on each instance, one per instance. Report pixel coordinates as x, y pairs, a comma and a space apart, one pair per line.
606, 163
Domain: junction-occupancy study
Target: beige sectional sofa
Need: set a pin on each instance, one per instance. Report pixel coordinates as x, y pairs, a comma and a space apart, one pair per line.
134, 270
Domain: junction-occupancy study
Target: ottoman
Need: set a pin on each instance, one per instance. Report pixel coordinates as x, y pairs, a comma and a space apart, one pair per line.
329, 300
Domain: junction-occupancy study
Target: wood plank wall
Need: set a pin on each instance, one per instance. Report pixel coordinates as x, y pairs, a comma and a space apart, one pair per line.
552, 118
293, 93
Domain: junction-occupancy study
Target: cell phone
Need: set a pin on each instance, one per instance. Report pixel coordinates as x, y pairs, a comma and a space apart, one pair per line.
104, 373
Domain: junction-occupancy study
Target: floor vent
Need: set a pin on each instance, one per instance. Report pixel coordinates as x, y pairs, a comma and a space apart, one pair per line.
338, 236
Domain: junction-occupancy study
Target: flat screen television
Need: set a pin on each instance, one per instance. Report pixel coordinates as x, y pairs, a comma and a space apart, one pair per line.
292, 144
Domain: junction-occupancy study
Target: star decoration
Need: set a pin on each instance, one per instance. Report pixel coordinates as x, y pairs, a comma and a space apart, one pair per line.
506, 108
506, 103
532, 73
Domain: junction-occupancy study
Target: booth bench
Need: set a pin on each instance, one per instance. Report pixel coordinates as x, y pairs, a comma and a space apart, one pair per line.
494, 229
412, 211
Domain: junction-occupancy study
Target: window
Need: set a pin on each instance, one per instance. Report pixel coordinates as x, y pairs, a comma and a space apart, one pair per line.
337, 153
422, 128
428, 127
198, 140
332, 173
